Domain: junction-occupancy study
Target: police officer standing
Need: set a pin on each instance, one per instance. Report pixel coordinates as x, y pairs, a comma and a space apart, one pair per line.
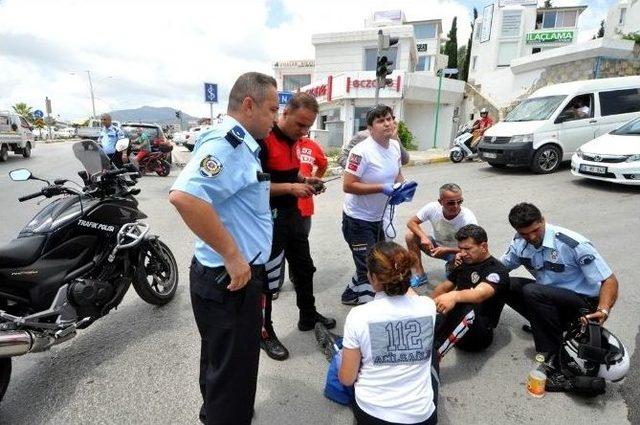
571, 278
109, 135
290, 230
223, 196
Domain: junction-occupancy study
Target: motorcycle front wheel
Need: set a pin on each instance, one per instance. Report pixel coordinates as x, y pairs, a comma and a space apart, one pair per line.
156, 281
5, 375
163, 169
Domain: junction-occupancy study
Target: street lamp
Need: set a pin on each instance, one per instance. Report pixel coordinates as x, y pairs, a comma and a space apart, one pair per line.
442, 71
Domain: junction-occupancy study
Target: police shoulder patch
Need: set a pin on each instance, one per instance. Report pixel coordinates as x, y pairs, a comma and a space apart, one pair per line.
210, 166
586, 259
235, 136
493, 278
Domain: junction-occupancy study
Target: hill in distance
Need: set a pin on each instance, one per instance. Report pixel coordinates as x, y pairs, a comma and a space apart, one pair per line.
151, 114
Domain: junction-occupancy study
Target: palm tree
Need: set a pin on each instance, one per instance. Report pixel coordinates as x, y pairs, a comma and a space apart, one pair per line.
24, 111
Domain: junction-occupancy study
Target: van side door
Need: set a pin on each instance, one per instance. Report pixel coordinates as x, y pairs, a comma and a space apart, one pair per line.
616, 107
576, 123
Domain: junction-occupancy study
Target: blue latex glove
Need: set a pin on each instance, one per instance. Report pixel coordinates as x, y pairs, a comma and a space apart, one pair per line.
387, 189
403, 193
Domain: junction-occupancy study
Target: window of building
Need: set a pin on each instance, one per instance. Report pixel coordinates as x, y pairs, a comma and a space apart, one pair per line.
623, 14
549, 20
294, 82
558, 19
619, 102
478, 30
360, 118
371, 58
507, 52
474, 62
422, 47
536, 50
422, 31
424, 63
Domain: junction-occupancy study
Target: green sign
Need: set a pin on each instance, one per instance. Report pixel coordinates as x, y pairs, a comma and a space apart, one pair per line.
550, 37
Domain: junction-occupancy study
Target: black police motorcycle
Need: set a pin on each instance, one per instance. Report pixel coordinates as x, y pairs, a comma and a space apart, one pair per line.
74, 261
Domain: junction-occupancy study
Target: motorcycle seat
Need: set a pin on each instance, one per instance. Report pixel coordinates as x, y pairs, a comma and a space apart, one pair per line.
22, 251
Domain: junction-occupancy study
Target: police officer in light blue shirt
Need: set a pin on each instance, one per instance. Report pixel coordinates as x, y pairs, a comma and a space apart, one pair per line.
109, 135
223, 197
571, 278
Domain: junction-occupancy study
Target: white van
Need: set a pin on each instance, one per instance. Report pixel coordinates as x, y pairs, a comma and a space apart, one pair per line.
549, 126
15, 135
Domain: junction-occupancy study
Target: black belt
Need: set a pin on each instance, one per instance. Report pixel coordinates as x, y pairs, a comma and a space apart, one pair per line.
219, 274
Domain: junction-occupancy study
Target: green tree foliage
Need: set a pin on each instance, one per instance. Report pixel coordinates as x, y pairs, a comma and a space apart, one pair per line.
464, 69
405, 136
600, 33
451, 46
24, 111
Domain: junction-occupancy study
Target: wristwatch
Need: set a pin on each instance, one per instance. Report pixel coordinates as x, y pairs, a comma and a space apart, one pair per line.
603, 310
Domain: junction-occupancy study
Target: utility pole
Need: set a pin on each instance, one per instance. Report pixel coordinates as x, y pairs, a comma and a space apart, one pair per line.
93, 102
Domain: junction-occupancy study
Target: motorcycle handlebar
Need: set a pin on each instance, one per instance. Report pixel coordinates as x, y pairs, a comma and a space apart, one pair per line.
31, 196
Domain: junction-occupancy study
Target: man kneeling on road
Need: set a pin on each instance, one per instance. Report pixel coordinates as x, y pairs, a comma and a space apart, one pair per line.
469, 300
446, 216
571, 278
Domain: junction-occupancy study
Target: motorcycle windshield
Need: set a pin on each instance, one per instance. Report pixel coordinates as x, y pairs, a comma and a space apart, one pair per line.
92, 157
58, 213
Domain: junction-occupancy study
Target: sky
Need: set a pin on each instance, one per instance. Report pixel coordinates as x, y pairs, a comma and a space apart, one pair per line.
159, 53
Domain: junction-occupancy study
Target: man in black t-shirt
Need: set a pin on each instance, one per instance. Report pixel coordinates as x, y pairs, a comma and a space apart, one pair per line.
468, 301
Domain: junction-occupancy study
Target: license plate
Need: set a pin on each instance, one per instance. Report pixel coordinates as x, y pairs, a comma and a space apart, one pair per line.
593, 169
490, 155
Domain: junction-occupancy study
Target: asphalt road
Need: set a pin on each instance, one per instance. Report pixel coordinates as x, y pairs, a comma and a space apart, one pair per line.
139, 364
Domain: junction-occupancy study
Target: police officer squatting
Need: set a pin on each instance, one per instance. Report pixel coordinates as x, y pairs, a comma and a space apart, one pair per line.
240, 195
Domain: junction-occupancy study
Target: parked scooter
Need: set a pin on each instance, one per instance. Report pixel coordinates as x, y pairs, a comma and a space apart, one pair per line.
462, 144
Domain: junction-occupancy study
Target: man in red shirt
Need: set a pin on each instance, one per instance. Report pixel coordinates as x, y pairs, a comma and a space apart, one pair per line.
290, 235
313, 163
481, 125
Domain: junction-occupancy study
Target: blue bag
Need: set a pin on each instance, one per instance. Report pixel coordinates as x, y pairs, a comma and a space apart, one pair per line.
333, 389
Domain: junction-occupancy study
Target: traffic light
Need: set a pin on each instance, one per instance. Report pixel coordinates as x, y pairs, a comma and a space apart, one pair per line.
383, 67
178, 114
383, 64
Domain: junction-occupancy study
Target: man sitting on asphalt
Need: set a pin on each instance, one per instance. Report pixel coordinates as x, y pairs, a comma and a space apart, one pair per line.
466, 302
446, 216
571, 278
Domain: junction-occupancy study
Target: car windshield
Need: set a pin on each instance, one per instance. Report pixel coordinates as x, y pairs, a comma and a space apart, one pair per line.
92, 157
632, 128
535, 109
130, 131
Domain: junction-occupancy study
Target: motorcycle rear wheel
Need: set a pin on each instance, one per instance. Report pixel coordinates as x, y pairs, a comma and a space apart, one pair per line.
456, 156
157, 276
5, 375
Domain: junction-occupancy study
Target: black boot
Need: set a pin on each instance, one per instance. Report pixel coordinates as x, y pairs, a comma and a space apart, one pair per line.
273, 347
308, 321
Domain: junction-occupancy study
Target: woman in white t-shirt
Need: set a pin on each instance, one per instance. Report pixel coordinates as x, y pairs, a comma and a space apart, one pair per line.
388, 343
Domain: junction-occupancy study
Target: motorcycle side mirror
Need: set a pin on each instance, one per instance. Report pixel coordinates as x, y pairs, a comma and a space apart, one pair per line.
20, 175
122, 144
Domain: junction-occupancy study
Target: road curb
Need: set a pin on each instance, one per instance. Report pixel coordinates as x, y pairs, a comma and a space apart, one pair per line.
337, 170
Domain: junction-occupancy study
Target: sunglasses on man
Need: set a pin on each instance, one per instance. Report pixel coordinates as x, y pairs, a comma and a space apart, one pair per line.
452, 203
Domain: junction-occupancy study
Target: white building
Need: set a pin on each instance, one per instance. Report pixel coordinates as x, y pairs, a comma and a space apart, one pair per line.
509, 30
344, 80
293, 74
623, 18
